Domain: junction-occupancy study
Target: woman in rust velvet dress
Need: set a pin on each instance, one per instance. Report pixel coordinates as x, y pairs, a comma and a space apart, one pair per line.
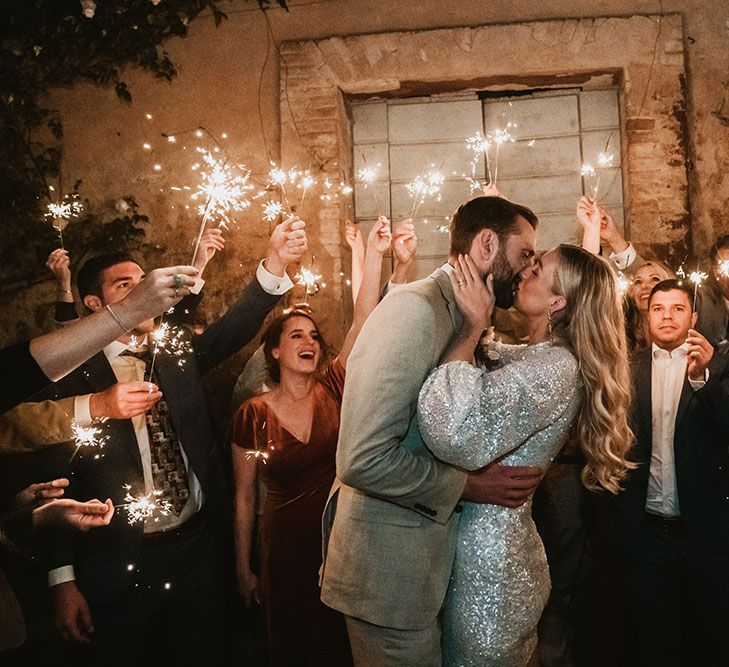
289, 437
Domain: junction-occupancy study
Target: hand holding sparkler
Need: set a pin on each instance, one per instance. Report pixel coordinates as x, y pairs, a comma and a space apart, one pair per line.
60, 265
41, 493
700, 352
380, 236
287, 244
124, 400
353, 236
212, 240
609, 232
404, 242
73, 515
590, 218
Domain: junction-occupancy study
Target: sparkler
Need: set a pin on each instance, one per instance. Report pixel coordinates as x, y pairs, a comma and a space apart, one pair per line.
306, 181
257, 453
623, 283
480, 146
62, 211
308, 278
604, 161
272, 210
696, 278
225, 188
170, 340
368, 176
140, 508
86, 436
723, 268
424, 186
499, 136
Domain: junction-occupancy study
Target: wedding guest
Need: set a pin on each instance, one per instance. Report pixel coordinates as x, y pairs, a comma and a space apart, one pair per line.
713, 319
289, 437
59, 263
159, 578
671, 521
37, 363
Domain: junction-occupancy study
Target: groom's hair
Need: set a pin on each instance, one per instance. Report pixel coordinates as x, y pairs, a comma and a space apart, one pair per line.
493, 213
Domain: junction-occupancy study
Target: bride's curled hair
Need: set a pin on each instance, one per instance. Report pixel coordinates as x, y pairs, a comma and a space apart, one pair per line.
592, 326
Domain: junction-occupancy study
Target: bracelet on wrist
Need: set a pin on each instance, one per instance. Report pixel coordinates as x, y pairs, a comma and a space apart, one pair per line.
117, 320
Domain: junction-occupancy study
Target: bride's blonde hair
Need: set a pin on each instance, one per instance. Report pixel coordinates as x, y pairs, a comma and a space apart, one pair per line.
592, 326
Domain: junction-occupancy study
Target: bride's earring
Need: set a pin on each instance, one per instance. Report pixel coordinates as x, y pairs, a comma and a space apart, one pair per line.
549, 324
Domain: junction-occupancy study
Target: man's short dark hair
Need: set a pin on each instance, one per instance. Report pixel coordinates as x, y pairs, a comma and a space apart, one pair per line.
493, 213
91, 273
721, 242
674, 284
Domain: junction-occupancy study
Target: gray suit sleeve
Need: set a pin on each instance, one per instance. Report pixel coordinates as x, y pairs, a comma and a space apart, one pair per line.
380, 452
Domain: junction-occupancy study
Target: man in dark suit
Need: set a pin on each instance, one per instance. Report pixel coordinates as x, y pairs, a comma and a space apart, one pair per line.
714, 313
152, 587
671, 521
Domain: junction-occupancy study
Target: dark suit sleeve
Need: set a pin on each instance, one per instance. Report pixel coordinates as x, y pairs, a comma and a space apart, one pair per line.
17, 363
237, 327
715, 393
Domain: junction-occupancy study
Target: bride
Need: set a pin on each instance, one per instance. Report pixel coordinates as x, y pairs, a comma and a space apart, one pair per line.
573, 374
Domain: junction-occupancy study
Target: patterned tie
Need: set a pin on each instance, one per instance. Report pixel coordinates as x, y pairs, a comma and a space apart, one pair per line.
169, 474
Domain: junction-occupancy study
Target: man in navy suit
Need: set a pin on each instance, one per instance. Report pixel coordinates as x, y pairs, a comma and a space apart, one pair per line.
152, 587
671, 521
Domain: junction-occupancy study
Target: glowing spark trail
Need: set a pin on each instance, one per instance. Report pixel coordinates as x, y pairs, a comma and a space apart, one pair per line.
61, 212
424, 186
144, 507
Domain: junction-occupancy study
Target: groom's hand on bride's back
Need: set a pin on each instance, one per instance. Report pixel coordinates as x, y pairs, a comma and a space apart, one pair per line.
496, 484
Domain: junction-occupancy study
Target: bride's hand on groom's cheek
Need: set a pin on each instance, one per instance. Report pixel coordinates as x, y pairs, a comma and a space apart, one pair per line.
474, 295
508, 486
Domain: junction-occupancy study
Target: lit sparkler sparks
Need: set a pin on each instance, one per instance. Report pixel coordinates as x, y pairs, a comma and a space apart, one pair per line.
171, 341
272, 210
480, 146
499, 136
225, 189
331, 190
424, 186
696, 278
257, 453
86, 436
723, 268
368, 176
623, 283
62, 211
140, 508
309, 278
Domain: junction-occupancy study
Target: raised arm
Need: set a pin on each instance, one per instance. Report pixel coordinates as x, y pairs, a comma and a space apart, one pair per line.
378, 242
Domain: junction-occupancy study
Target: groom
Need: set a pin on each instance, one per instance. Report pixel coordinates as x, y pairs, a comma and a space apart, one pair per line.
391, 521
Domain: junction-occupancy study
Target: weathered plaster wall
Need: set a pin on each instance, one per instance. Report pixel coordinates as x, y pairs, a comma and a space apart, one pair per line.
221, 72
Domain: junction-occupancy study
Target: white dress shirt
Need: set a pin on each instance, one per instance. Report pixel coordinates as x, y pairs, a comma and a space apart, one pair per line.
668, 370
127, 369
624, 258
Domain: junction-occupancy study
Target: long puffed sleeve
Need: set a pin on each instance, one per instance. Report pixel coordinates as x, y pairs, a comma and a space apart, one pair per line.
469, 417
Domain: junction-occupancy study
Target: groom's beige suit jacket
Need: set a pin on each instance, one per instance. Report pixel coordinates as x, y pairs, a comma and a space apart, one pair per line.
391, 520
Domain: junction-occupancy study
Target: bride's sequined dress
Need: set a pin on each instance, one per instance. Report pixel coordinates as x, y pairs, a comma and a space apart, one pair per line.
470, 417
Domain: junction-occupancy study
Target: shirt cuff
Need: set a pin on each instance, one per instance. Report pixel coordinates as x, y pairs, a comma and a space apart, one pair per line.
624, 258
698, 384
276, 285
82, 410
61, 575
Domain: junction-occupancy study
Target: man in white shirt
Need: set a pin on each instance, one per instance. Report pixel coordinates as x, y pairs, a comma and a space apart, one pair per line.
152, 587
672, 518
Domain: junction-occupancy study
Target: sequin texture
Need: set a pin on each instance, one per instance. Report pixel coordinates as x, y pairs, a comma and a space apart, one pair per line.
468, 417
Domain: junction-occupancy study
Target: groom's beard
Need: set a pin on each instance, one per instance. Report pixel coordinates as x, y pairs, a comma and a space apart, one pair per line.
505, 280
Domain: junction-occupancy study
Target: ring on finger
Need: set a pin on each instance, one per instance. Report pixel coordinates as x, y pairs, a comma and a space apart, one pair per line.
177, 280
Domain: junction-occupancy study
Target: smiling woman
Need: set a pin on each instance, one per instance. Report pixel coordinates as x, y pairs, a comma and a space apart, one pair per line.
289, 436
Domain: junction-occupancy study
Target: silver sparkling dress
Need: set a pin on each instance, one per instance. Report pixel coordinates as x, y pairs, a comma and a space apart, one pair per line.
469, 417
